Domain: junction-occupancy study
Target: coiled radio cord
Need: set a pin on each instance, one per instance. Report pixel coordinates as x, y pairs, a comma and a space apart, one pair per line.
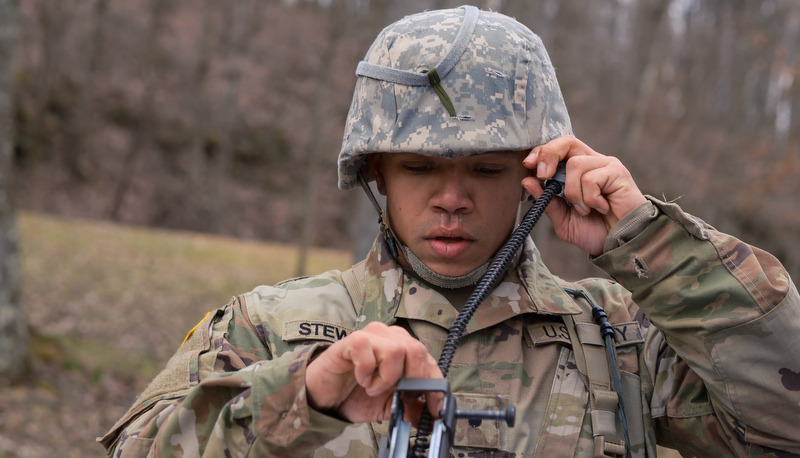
494, 273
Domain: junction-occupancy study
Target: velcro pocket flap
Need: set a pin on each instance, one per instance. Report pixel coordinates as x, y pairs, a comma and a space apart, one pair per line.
480, 433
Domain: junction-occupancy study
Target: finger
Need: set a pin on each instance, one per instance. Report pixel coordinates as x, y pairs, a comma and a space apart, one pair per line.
533, 186
532, 159
433, 400
545, 158
417, 360
612, 191
586, 182
573, 186
557, 210
388, 347
413, 411
398, 354
553, 152
359, 352
419, 364
550, 154
593, 186
332, 376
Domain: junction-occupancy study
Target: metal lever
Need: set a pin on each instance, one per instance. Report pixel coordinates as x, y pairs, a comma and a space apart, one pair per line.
396, 444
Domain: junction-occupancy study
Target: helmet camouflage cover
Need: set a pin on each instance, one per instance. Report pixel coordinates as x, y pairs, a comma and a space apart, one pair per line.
496, 71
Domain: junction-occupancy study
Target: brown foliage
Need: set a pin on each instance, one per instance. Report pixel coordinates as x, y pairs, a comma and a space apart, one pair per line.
195, 115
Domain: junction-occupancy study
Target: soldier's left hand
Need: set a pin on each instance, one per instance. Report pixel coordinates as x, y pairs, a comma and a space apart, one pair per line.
599, 188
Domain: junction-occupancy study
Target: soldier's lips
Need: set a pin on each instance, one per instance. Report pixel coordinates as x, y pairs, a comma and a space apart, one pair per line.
449, 247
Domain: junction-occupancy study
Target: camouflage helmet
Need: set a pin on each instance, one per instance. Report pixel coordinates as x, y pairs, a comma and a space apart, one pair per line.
494, 71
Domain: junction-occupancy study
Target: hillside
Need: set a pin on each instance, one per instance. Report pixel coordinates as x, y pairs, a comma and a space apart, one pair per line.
107, 305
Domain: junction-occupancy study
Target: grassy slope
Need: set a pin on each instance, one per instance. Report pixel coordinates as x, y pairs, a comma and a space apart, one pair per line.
107, 306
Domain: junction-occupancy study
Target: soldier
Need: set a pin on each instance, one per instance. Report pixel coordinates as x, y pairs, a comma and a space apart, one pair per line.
457, 116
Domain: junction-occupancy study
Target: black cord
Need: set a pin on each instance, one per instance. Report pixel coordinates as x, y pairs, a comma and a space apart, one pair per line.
494, 273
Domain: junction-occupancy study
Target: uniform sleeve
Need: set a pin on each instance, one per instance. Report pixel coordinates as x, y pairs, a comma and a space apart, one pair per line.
223, 394
728, 378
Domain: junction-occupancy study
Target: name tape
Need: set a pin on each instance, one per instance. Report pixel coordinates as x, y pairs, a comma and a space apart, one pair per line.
313, 330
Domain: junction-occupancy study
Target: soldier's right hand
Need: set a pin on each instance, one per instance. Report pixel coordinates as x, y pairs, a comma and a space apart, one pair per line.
356, 376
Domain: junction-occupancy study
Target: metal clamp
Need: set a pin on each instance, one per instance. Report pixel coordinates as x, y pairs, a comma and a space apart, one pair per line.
396, 444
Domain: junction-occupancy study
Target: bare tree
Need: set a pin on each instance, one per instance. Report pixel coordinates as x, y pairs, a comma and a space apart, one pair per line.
143, 137
85, 118
200, 108
337, 28
13, 327
364, 226
52, 26
241, 29
37, 135
645, 64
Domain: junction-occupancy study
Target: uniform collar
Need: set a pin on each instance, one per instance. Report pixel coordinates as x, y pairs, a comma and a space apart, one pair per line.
391, 294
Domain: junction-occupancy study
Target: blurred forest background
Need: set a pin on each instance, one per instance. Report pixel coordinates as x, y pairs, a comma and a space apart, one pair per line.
226, 118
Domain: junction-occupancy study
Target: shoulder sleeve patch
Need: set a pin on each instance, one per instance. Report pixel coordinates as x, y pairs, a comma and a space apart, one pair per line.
313, 330
191, 331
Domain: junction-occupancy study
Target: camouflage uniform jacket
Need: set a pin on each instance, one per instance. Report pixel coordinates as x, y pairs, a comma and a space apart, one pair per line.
708, 333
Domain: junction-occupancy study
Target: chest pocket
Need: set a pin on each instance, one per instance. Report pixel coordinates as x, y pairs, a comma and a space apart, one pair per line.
486, 434
597, 400
477, 433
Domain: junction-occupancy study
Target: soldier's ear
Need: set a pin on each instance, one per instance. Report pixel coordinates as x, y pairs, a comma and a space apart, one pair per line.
375, 166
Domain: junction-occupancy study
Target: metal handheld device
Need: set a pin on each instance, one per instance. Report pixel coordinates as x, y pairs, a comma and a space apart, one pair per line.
397, 443
560, 178
442, 432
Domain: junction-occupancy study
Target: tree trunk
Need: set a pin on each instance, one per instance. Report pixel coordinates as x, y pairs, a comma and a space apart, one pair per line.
143, 136
198, 193
13, 329
647, 62
84, 119
37, 135
338, 27
364, 226
53, 27
229, 111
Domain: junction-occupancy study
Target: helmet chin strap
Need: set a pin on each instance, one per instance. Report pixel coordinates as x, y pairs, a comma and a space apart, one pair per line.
419, 267
443, 281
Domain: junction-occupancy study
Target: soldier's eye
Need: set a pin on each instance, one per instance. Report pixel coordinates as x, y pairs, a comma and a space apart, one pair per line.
417, 168
490, 171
